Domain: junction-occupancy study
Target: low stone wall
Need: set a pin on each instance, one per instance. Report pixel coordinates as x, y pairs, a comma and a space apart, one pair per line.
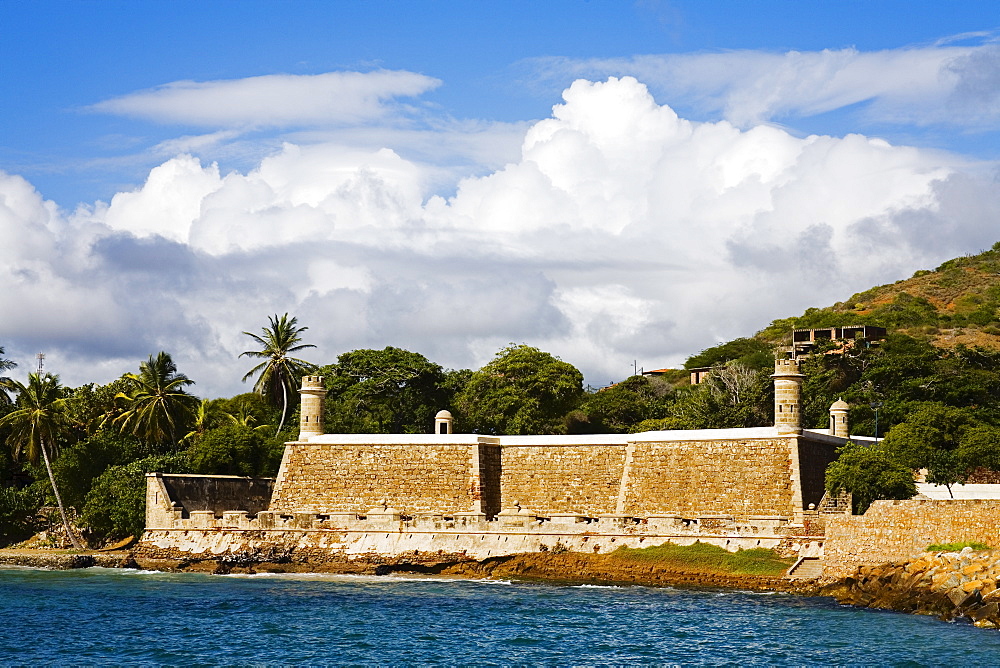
898, 530
170, 495
468, 534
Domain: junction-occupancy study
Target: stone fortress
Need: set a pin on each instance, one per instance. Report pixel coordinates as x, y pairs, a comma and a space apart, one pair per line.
482, 496
476, 496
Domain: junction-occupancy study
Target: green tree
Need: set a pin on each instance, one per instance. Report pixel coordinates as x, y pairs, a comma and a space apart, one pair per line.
521, 391
750, 352
18, 508
79, 464
384, 391
279, 373
734, 395
869, 473
5, 382
157, 407
235, 449
619, 408
116, 503
36, 427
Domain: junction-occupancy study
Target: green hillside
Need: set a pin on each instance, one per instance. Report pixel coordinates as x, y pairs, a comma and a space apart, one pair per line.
957, 303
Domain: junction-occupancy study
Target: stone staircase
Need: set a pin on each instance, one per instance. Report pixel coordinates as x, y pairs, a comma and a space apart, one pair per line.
839, 504
806, 568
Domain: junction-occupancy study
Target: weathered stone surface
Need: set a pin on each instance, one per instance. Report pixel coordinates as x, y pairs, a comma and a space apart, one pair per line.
949, 585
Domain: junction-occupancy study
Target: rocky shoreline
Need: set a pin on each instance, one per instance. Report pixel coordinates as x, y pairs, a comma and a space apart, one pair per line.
949, 585
567, 567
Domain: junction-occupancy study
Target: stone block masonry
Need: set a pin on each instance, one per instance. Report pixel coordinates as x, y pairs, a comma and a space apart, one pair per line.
738, 473
417, 473
898, 530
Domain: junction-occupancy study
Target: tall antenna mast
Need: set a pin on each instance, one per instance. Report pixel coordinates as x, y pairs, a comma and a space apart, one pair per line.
41, 362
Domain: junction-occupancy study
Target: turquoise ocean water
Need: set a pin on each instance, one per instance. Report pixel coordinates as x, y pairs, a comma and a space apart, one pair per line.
101, 616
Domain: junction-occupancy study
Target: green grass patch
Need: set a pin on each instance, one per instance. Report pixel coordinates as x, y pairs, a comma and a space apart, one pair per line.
957, 547
706, 557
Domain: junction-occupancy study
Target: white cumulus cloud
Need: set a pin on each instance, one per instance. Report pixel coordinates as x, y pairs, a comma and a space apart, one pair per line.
620, 232
937, 83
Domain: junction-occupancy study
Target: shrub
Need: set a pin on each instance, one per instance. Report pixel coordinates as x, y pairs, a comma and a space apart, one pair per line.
956, 547
18, 510
704, 556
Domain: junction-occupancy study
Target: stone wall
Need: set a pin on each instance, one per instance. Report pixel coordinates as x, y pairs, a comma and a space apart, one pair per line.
350, 473
897, 530
178, 495
738, 477
562, 474
734, 472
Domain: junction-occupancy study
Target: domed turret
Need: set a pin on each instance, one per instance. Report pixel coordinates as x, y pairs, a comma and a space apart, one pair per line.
838, 419
443, 422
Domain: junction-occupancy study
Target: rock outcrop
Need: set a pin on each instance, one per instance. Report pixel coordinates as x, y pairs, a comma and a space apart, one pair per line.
951, 585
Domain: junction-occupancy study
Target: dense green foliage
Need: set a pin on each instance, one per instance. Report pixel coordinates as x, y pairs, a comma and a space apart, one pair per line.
753, 353
869, 473
521, 391
115, 506
384, 391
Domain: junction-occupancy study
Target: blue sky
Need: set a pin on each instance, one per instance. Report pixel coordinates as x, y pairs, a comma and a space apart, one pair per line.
165, 162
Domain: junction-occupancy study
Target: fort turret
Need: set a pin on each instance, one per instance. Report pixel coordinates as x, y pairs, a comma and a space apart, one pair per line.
313, 399
787, 396
838, 419
443, 422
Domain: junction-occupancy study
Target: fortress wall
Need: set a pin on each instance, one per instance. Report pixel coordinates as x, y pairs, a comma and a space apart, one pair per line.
738, 477
562, 478
896, 530
429, 475
166, 492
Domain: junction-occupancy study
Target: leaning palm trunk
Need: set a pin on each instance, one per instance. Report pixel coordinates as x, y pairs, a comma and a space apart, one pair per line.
62, 511
284, 407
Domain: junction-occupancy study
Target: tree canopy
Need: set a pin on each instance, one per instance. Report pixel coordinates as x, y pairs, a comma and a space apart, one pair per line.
521, 391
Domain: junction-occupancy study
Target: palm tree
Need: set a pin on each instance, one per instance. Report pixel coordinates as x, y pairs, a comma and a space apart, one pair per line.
5, 383
35, 427
279, 373
157, 406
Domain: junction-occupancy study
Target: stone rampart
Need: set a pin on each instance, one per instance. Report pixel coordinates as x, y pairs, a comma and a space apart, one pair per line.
735, 476
352, 473
898, 530
562, 474
738, 472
